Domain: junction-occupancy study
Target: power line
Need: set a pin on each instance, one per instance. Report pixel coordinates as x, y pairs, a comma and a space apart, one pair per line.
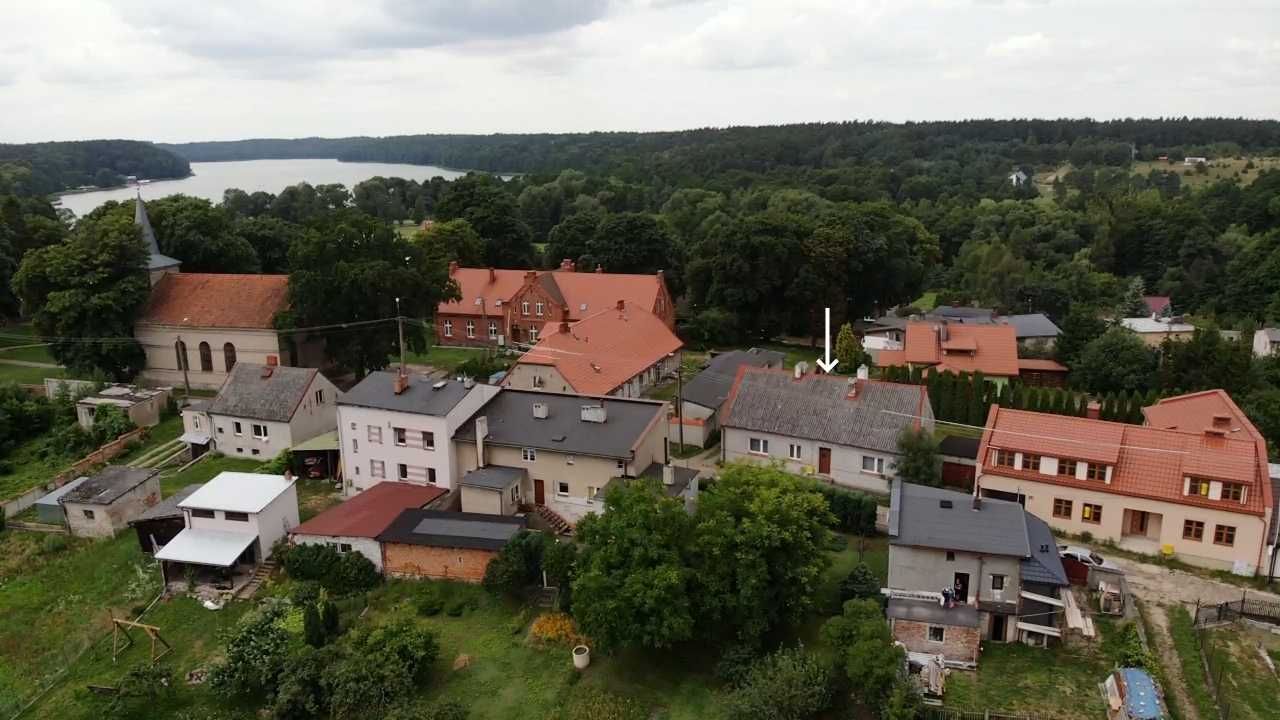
314, 329
1036, 436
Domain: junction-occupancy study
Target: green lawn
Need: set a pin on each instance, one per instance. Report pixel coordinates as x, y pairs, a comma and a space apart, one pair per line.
24, 375
204, 471
1248, 686
1184, 642
1056, 682
17, 336
165, 431
30, 467
445, 358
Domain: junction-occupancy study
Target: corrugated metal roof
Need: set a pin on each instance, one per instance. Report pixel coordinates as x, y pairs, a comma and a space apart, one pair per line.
710, 387
369, 512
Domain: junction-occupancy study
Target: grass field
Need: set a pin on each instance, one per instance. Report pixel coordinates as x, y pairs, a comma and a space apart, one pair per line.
1247, 684
28, 375
204, 471
1218, 169
1184, 643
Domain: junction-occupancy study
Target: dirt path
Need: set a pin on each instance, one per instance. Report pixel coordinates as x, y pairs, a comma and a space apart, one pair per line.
1158, 584
1163, 643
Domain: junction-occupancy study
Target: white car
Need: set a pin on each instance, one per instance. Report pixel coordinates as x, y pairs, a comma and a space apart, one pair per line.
1087, 557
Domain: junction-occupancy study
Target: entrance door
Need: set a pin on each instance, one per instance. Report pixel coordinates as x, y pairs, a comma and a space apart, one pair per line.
998, 627
539, 492
824, 460
1138, 522
961, 587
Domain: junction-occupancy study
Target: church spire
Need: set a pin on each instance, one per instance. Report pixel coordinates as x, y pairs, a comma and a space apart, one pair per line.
158, 263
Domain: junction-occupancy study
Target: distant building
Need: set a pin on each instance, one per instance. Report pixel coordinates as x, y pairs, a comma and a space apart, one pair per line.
1033, 330
103, 505
1266, 342
948, 346
704, 395
1155, 330
443, 545
143, 406
1192, 161
1017, 178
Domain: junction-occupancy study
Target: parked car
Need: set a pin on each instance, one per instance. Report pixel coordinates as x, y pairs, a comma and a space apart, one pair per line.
1085, 556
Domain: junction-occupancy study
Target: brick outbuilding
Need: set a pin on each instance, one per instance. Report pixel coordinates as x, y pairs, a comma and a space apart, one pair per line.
445, 545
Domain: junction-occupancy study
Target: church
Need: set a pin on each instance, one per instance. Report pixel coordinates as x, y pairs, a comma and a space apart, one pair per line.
197, 326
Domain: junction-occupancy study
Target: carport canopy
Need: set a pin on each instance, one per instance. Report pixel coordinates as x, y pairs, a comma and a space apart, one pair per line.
215, 548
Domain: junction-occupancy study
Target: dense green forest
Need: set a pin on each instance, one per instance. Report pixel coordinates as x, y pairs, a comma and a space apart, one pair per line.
43, 168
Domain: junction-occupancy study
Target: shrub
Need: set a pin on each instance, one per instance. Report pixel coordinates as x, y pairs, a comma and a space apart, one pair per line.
787, 685
447, 710
378, 667
312, 627
1086, 537
329, 619
595, 704
557, 629
305, 591
256, 655
54, 543
860, 584
428, 601
519, 564
736, 663
340, 573
456, 607
141, 686
479, 368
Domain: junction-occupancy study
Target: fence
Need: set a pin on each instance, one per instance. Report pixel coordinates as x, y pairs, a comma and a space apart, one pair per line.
1211, 658
1262, 610
15, 505
946, 714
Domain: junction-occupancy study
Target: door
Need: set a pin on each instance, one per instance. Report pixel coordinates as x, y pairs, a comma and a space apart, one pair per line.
998, 627
539, 492
961, 587
824, 460
1138, 522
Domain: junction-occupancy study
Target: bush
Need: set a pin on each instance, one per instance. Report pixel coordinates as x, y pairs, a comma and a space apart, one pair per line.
1086, 537
855, 512
480, 368
595, 704
340, 573
428, 602
304, 592
447, 710
377, 668
557, 629
312, 627
256, 655
860, 584
736, 662
54, 543
787, 685
518, 565
456, 607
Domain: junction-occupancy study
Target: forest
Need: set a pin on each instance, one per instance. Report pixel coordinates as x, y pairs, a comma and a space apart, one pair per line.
50, 167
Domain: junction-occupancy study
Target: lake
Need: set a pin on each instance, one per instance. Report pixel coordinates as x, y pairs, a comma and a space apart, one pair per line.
211, 178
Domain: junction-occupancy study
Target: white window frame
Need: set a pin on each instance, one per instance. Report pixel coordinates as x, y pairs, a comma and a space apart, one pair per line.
402, 471
533, 334
320, 396
237, 428
524, 308
375, 434
195, 422
562, 488
539, 308
428, 440
877, 465
378, 469
264, 435
758, 446
400, 437
1001, 578
795, 451
471, 329
431, 476
493, 330
448, 328
621, 465
529, 454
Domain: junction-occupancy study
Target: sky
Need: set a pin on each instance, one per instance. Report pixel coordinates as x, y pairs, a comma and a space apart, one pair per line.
229, 69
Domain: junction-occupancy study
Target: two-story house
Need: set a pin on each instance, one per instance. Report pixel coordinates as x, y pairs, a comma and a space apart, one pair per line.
394, 426
837, 428
557, 451
261, 411
1193, 483
958, 347
964, 569
231, 524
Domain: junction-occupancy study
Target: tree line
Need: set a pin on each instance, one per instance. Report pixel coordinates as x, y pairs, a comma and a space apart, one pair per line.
37, 169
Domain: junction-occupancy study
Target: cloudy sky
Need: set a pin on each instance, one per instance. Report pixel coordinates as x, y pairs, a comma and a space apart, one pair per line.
176, 71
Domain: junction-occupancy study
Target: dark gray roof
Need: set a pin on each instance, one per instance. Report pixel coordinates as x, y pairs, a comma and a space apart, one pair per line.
167, 508
930, 611
683, 476
511, 423
249, 392
818, 408
917, 517
1044, 565
107, 486
54, 498
156, 260
441, 528
710, 387
1033, 325
378, 390
964, 314
493, 477
956, 446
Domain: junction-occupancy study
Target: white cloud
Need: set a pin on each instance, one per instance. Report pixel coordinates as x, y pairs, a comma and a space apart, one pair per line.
1020, 46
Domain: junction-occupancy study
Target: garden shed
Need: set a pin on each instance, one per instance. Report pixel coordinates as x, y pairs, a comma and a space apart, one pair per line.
49, 509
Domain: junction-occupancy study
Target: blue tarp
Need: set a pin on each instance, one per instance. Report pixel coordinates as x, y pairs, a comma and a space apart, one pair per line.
1142, 702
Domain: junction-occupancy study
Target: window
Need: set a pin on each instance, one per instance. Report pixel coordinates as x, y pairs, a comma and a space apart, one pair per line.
402, 471
377, 469
568, 459
997, 582
202, 513
951, 557
1061, 508
1193, 530
375, 434
1067, 467
355, 445
448, 328
88, 514
235, 425
320, 397
872, 465
1004, 458
235, 516
562, 488
533, 334
1096, 471
515, 493
431, 475
524, 308
206, 357
1030, 462
400, 437
793, 451
1091, 513
1199, 487
1224, 535
493, 330
1233, 491
240, 450
255, 451
344, 547
228, 356
592, 491
195, 421
538, 309
759, 446
620, 465
471, 328
428, 440
259, 432
528, 454
937, 634
180, 349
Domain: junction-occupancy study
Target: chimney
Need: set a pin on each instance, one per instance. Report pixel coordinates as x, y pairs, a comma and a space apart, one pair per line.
540, 410
659, 274
482, 432
668, 475
864, 373
853, 389
797, 372
530, 274
402, 383
566, 265
977, 502
564, 327
468, 383
453, 268
492, 275
599, 268
622, 305
594, 413
266, 371
288, 475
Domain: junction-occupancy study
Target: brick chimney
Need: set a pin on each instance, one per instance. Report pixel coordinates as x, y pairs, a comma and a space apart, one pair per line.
622, 305
564, 327
492, 275
402, 383
530, 274
566, 265
453, 268
659, 274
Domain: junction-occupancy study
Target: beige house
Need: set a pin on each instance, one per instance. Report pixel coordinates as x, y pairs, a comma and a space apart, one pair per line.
143, 406
1199, 492
103, 504
1155, 330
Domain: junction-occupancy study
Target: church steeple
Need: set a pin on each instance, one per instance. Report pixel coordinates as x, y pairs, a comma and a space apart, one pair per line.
158, 263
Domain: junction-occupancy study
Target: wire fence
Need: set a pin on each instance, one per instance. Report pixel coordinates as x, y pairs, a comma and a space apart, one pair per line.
1225, 612
948, 714
1211, 656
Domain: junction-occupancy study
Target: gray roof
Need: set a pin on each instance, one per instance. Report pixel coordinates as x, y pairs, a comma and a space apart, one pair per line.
493, 477
107, 486
1044, 565
1272, 334
930, 611
917, 517
683, 476
441, 528
962, 313
710, 387
156, 260
52, 498
961, 447
167, 508
818, 408
1033, 325
250, 392
511, 423
378, 390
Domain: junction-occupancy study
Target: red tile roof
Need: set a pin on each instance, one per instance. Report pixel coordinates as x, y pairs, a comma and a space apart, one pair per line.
217, 301
369, 513
486, 284
993, 349
1156, 303
1148, 462
595, 291
1196, 411
605, 350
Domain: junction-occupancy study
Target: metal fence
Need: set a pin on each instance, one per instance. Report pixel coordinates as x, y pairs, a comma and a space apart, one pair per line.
1225, 612
947, 714
1211, 658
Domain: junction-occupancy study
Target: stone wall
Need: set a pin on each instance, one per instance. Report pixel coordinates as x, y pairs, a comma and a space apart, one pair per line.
959, 644
439, 563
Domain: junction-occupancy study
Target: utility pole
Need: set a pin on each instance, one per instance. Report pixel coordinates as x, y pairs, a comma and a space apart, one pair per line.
400, 330
679, 397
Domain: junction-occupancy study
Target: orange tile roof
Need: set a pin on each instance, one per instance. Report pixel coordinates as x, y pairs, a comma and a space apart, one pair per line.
1195, 412
605, 350
1041, 365
217, 301
993, 349
477, 283
1148, 462
891, 358
599, 291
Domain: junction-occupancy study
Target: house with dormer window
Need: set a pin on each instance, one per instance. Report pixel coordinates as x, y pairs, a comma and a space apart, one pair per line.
1192, 483
943, 346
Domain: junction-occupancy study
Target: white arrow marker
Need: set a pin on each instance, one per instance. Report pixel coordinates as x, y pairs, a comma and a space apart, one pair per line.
825, 362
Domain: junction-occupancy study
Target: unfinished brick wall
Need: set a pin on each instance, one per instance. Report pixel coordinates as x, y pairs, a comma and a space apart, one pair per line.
418, 561
960, 643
